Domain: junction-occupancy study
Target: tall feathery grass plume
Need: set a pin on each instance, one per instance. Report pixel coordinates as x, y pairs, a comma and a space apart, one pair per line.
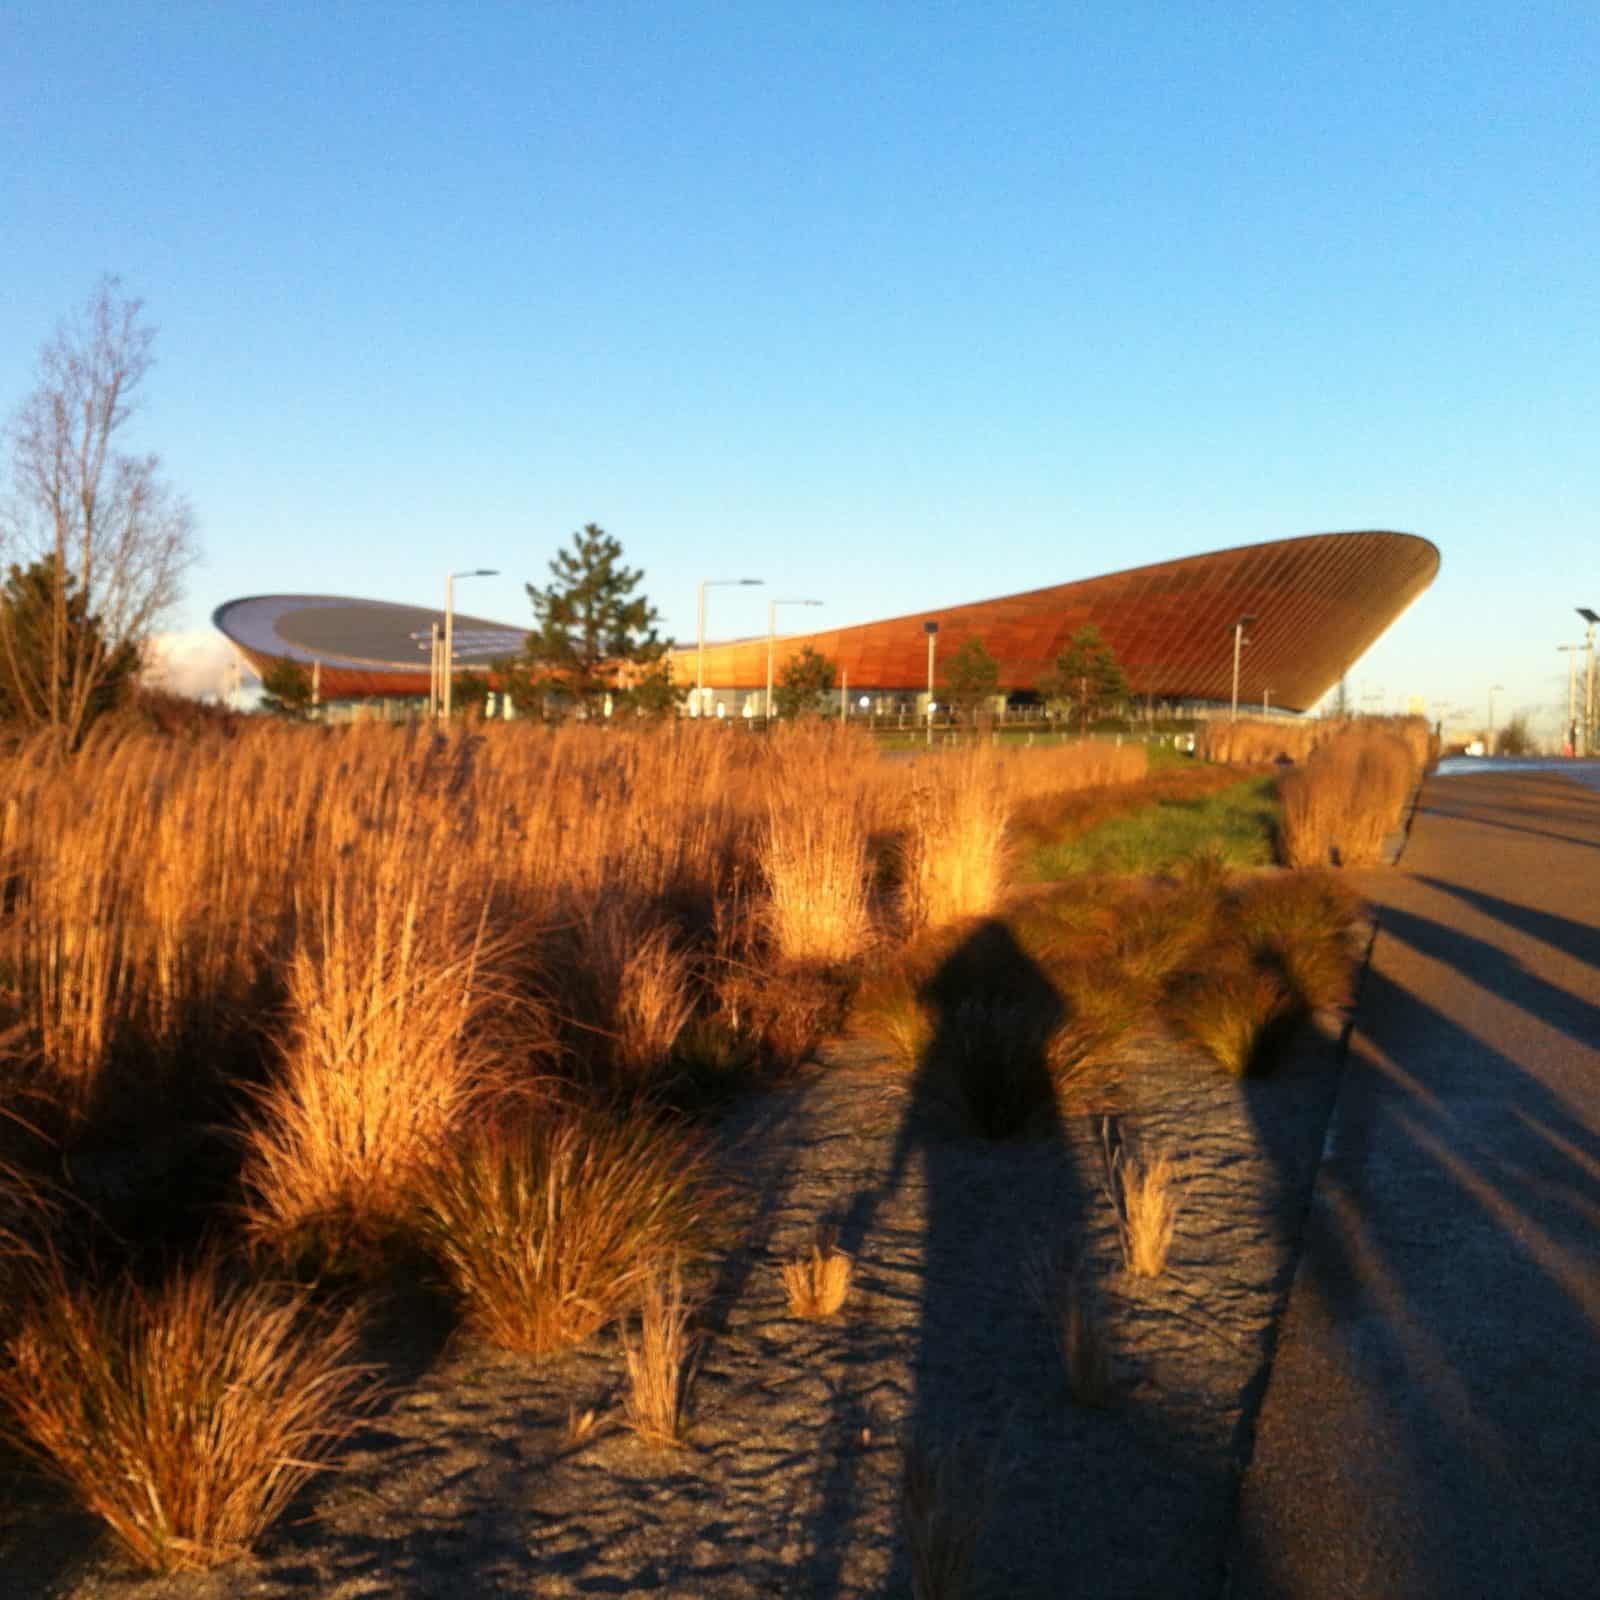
384, 1059
956, 834
813, 850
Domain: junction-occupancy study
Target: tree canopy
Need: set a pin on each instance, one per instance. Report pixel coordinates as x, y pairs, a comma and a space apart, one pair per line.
1088, 679
805, 679
286, 690
28, 653
971, 676
101, 528
588, 620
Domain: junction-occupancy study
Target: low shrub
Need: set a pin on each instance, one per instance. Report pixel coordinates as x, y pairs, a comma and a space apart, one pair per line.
185, 1419
548, 1226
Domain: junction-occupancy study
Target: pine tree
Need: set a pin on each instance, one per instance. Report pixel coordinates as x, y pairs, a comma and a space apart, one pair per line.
589, 621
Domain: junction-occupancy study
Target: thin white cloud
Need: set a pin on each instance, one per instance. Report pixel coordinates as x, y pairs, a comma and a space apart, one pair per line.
197, 662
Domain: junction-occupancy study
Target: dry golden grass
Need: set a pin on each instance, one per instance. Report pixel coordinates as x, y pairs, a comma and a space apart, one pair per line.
185, 1419
1299, 924
549, 1225
944, 1503
814, 859
1234, 1016
656, 999
1348, 797
1145, 1199
817, 1284
955, 863
660, 1365
381, 1065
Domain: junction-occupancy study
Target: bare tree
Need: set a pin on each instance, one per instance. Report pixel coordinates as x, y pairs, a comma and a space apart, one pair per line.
115, 537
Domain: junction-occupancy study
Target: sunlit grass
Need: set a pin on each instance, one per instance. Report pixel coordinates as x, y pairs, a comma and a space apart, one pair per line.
1237, 823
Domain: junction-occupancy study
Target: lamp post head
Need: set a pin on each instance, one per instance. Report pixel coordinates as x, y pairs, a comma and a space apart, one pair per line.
930, 628
1588, 616
1246, 622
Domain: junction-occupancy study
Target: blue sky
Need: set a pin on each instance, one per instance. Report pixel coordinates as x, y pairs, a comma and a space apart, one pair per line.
894, 305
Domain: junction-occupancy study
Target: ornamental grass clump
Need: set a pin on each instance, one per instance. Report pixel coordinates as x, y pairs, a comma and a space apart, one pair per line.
955, 839
660, 1364
944, 1503
817, 1283
1339, 807
384, 1059
185, 1418
548, 1226
1299, 923
1236, 1016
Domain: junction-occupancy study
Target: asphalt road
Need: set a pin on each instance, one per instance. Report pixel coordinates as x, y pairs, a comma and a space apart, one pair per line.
1431, 1425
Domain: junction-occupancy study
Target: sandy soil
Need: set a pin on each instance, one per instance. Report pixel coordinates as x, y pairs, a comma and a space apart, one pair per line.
790, 1481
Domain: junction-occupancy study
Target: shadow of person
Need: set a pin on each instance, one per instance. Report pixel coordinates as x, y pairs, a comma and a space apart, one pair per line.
981, 1166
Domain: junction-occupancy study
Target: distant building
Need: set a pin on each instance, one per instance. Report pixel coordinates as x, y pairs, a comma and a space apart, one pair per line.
1317, 602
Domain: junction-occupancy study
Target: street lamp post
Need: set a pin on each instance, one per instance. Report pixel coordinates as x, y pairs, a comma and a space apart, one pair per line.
700, 632
449, 665
1493, 688
772, 634
1570, 651
1588, 680
1238, 642
932, 631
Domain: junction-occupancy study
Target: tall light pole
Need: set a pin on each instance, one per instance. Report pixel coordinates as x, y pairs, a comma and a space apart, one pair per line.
700, 632
1493, 687
1588, 680
1570, 651
772, 635
449, 664
1238, 642
932, 631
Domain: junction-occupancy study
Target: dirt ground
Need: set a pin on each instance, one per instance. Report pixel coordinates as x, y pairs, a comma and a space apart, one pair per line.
463, 1485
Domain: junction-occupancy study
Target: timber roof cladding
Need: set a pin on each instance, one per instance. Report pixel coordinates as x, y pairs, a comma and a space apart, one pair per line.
1319, 601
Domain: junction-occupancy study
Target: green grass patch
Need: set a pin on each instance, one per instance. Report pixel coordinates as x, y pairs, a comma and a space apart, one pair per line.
1235, 824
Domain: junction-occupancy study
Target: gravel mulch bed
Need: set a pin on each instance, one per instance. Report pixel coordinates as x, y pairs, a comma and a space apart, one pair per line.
790, 1481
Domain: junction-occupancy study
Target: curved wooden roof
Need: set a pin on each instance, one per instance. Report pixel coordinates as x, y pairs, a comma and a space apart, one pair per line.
1320, 601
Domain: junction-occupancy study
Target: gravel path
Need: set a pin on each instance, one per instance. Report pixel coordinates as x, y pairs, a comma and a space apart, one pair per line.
790, 1484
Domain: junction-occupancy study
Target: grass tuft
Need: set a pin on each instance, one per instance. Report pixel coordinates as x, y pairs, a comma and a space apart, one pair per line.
944, 1501
549, 1226
661, 1365
818, 1283
1235, 1017
185, 1419
1144, 1197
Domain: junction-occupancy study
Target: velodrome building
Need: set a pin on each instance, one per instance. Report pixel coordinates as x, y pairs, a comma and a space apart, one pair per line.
1315, 605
